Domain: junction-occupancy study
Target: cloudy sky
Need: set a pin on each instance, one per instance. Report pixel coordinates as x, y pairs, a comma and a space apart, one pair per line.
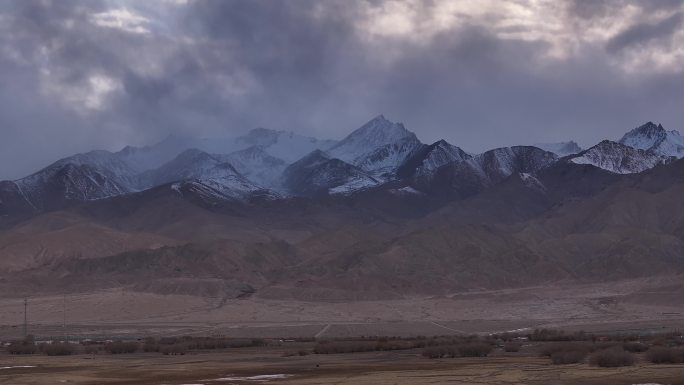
79, 75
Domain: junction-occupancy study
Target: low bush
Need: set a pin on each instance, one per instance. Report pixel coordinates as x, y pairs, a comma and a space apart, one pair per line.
324, 347
475, 349
557, 335
512, 347
292, 353
92, 348
333, 347
120, 347
58, 349
568, 357
245, 343
174, 349
436, 352
611, 358
549, 349
663, 355
635, 347
21, 347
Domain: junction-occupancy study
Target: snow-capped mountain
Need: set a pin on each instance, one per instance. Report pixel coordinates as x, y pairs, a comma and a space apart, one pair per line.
201, 175
655, 138
267, 163
228, 187
561, 148
78, 178
190, 164
255, 164
500, 163
320, 173
469, 176
150, 157
378, 147
619, 158
284, 145
427, 159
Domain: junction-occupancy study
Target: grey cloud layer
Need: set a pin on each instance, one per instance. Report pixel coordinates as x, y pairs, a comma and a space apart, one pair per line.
100, 74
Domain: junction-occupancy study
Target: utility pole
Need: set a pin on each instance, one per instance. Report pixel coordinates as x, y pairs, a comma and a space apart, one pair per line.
25, 318
64, 319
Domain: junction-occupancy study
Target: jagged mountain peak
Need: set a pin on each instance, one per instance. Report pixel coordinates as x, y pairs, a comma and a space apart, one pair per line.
427, 159
318, 172
380, 146
190, 164
619, 158
92, 175
644, 136
656, 139
379, 131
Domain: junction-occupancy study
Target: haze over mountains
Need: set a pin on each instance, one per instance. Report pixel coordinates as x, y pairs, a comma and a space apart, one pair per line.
280, 215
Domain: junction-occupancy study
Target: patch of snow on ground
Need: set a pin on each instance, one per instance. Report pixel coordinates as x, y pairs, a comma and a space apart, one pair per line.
259, 378
408, 190
16, 367
353, 185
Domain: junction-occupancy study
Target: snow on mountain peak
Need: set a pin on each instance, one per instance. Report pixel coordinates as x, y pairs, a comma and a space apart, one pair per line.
375, 133
428, 159
380, 146
655, 138
319, 172
257, 165
619, 158
81, 177
645, 136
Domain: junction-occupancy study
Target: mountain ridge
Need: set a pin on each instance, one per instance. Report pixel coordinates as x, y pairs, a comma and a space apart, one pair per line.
377, 153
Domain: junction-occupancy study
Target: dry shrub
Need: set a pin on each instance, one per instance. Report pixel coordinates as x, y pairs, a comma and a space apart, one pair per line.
92, 348
475, 349
611, 358
292, 353
245, 342
635, 347
663, 355
512, 347
549, 349
20, 347
436, 352
150, 345
383, 344
557, 335
58, 349
325, 347
174, 349
568, 357
120, 347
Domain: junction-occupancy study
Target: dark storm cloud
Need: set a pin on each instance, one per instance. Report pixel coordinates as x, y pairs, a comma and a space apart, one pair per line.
645, 32
78, 75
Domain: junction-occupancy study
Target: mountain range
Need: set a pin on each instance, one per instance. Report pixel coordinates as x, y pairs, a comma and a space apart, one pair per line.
377, 214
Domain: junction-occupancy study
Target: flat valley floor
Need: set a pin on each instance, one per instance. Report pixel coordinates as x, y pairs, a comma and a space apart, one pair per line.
650, 305
655, 304
267, 365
